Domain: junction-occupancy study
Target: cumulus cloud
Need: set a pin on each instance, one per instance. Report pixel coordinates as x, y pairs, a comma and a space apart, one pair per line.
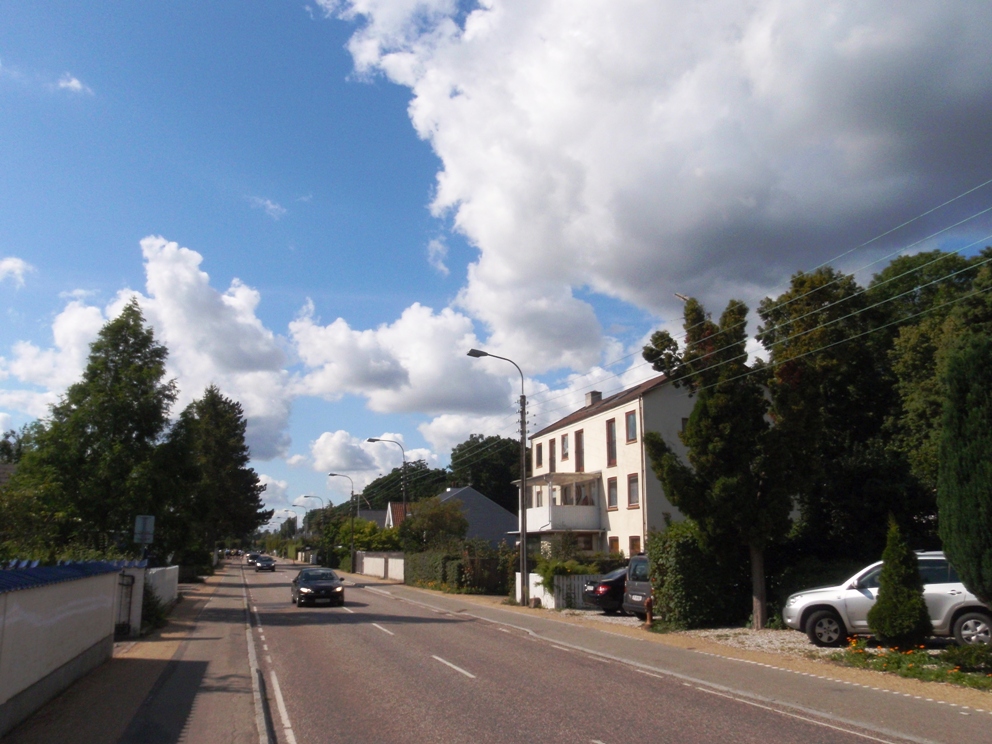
5, 420
14, 268
638, 149
73, 85
273, 210
295, 461
276, 491
437, 251
416, 363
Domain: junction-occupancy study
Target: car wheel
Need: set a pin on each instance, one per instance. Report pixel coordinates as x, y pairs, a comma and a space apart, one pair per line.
825, 628
973, 629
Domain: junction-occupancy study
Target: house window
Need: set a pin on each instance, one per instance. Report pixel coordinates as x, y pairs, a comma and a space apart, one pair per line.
565, 497
583, 542
552, 465
611, 493
633, 491
614, 545
564, 447
580, 452
538, 496
611, 443
585, 494
635, 545
631, 422
538, 456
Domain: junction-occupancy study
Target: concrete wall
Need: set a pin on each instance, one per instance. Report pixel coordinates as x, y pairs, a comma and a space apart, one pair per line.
50, 636
165, 583
380, 565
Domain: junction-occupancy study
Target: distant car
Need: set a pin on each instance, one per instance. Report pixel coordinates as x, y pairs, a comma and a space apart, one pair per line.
250, 558
638, 588
265, 563
607, 592
317, 586
829, 614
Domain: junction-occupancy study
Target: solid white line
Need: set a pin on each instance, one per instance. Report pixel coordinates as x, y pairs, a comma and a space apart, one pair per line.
457, 669
384, 630
793, 715
256, 690
287, 729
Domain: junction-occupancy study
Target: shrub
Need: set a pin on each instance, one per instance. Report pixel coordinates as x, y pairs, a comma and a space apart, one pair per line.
548, 569
153, 612
692, 586
976, 658
899, 616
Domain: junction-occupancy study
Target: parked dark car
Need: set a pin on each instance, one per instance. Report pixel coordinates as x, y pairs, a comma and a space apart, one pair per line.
638, 589
250, 558
265, 563
317, 586
607, 592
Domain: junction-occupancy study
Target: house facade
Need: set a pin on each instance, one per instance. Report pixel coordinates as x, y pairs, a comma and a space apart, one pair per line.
591, 475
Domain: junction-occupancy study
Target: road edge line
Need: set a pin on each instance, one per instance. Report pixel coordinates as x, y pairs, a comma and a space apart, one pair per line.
265, 734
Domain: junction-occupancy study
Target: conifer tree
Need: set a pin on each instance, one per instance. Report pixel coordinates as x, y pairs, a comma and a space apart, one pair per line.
899, 616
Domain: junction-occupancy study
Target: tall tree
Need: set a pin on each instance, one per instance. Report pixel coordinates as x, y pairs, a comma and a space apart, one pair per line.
225, 492
736, 483
490, 465
964, 494
433, 525
91, 468
422, 482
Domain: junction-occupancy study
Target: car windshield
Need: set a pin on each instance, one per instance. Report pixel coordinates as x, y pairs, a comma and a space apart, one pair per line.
639, 571
318, 576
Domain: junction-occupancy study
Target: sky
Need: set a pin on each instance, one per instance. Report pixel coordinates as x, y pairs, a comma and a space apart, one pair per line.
322, 207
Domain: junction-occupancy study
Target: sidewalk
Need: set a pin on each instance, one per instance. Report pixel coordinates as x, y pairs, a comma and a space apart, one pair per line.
190, 679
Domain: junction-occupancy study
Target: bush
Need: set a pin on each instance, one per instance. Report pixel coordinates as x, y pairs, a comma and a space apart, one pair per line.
899, 616
976, 658
153, 612
692, 586
548, 569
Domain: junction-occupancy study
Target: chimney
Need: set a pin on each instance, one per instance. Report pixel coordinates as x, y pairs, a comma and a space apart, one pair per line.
593, 396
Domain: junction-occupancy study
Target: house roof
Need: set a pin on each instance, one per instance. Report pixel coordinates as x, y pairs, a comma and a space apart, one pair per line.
394, 513
618, 399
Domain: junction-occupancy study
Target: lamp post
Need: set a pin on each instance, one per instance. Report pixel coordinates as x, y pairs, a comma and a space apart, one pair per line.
403, 449
353, 509
524, 576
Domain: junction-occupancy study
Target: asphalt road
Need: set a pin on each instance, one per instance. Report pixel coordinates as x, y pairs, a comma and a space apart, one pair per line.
396, 665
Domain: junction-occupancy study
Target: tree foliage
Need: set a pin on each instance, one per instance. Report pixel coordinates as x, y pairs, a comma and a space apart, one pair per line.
736, 483
433, 525
899, 616
489, 465
965, 481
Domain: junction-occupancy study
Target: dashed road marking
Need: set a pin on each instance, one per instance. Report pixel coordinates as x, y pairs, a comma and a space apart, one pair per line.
384, 630
456, 668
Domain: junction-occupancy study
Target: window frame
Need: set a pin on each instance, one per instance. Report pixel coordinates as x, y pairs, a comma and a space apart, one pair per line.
580, 451
611, 443
552, 456
538, 456
564, 447
636, 478
612, 495
631, 542
611, 543
630, 417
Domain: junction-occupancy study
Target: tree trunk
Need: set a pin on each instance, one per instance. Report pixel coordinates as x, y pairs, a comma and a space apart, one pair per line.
759, 607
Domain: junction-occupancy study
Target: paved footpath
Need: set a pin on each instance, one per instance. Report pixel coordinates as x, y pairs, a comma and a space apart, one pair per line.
190, 681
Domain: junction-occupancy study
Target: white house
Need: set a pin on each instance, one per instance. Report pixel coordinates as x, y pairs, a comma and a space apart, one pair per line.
591, 475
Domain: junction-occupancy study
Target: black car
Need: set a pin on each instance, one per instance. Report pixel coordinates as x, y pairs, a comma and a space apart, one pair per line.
317, 586
607, 592
251, 558
265, 563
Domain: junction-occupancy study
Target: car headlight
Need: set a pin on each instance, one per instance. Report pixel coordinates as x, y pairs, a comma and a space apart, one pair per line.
339, 588
793, 600
306, 590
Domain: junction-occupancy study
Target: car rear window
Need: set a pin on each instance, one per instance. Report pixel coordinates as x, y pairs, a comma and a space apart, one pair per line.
638, 571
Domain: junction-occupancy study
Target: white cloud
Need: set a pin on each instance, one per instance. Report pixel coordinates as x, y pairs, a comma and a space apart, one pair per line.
273, 210
295, 461
5, 420
72, 84
437, 251
275, 494
638, 149
14, 268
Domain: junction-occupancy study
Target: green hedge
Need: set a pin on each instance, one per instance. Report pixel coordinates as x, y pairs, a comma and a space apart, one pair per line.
435, 569
693, 586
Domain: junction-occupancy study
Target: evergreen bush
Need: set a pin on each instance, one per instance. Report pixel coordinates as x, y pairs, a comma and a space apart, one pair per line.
899, 617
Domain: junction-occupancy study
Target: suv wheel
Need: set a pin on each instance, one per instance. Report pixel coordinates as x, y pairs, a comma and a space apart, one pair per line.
825, 628
973, 629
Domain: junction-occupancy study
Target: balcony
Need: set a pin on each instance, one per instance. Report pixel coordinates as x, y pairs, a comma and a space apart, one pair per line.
555, 518
568, 501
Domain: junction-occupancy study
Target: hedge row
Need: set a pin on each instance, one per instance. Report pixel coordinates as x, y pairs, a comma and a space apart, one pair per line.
440, 569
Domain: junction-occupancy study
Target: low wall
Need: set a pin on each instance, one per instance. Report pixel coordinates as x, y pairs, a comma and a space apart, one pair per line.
165, 583
567, 593
56, 624
380, 565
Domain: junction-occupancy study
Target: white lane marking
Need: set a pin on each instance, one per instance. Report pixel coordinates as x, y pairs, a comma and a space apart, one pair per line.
379, 591
265, 647
268, 659
256, 690
793, 715
347, 609
457, 669
597, 741
561, 648
384, 630
502, 630
287, 728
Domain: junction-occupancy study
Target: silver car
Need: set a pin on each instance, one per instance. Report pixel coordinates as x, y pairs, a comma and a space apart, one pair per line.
829, 614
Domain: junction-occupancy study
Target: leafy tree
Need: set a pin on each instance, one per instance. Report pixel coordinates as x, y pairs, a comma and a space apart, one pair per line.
490, 465
899, 616
12, 446
225, 492
91, 467
736, 484
433, 525
422, 482
964, 494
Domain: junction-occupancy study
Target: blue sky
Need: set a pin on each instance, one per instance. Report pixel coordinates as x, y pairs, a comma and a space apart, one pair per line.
351, 194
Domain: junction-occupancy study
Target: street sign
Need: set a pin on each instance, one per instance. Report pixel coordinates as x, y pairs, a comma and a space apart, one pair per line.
144, 529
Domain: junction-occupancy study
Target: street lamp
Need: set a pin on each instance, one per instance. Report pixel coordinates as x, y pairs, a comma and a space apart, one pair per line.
353, 509
393, 441
524, 576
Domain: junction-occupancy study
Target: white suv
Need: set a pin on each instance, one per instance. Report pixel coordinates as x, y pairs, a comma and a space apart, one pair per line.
829, 614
